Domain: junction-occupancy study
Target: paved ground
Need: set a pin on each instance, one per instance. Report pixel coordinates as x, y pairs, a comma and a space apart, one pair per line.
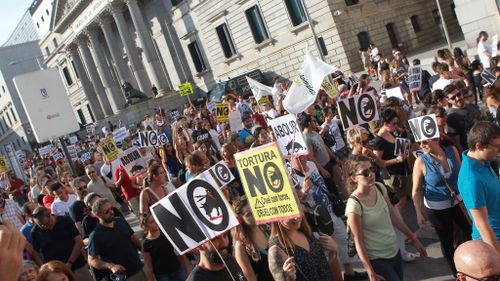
434, 267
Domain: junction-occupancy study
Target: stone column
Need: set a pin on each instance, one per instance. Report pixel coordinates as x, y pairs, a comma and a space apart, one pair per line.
152, 62
131, 49
94, 77
113, 91
87, 87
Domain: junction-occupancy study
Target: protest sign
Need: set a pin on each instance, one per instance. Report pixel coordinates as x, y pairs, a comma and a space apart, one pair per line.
90, 129
488, 77
402, 146
222, 112
108, 149
266, 184
357, 110
494, 45
174, 113
414, 78
195, 212
263, 100
424, 127
57, 156
3, 165
45, 150
21, 155
394, 92
73, 153
418, 153
211, 106
73, 139
259, 90
235, 121
85, 157
152, 139
120, 134
186, 89
288, 135
330, 89
133, 162
306, 85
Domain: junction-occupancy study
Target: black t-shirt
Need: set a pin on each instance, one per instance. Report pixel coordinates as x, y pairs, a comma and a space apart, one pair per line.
200, 274
460, 120
382, 144
78, 211
57, 243
201, 136
89, 223
115, 245
162, 255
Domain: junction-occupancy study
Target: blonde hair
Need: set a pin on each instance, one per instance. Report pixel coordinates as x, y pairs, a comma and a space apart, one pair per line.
351, 168
284, 239
355, 134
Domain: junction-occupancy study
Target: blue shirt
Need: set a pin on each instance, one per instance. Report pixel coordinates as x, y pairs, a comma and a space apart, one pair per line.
480, 187
26, 231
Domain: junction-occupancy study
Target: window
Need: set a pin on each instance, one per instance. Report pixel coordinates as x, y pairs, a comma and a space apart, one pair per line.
225, 40
415, 22
22, 139
4, 122
364, 40
47, 11
14, 145
436, 16
296, 11
37, 25
54, 41
74, 69
351, 2
18, 143
81, 116
2, 127
322, 45
43, 20
393, 34
256, 23
8, 118
198, 62
13, 114
67, 76
91, 113
175, 2
453, 12
47, 51
3, 88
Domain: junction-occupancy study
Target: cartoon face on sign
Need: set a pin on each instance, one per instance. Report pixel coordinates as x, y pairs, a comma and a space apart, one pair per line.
222, 172
428, 126
273, 177
207, 204
293, 147
367, 107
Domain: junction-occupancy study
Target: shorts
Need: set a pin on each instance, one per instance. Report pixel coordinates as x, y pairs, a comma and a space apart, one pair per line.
400, 184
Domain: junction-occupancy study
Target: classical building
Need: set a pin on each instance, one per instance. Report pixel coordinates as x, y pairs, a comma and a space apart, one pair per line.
478, 15
98, 45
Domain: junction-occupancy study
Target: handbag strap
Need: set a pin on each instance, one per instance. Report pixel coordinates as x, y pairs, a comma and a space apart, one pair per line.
453, 193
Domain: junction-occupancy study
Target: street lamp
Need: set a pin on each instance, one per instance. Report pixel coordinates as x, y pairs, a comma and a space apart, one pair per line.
14, 62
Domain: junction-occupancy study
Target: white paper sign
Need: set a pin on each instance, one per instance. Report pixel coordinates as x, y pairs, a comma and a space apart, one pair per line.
73, 153
414, 78
73, 139
235, 121
90, 129
288, 136
152, 139
357, 110
120, 134
424, 127
402, 146
85, 157
194, 213
45, 150
394, 92
306, 85
133, 162
57, 156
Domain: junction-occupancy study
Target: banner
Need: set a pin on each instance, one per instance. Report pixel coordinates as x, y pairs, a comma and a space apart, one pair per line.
222, 112
120, 134
3, 165
259, 90
133, 162
288, 136
402, 146
306, 85
424, 127
108, 149
330, 89
414, 78
152, 139
266, 184
357, 110
186, 89
196, 212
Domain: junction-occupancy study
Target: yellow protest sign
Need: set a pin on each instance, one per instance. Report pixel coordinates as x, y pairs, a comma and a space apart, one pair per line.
109, 149
186, 89
266, 184
330, 89
222, 112
3, 165
264, 100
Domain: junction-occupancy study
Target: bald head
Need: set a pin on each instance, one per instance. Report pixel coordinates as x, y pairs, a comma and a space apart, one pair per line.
477, 259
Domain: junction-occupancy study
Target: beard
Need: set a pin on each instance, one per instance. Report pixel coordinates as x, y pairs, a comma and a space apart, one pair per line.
214, 258
109, 219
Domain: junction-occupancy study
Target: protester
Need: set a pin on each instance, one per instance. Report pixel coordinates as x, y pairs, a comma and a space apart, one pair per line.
63, 202
79, 210
29, 271
476, 260
56, 270
100, 185
484, 49
156, 190
9, 210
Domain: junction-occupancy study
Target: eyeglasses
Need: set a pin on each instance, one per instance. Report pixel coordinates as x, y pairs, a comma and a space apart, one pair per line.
454, 97
367, 172
487, 278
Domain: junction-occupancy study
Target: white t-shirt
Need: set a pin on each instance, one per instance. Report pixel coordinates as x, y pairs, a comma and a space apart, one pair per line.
374, 53
482, 47
61, 208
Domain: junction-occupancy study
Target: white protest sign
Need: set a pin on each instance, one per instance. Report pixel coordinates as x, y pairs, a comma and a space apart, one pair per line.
174, 113
85, 156
357, 110
45, 150
259, 90
57, 156
73, 153
414, 78
424, 127
133, 162
288, 136
152, 139
221, 174
488, 77
494, 45
90, 129
394, 92
73, 139
21, 155
402, 146
120, 134
211, 106
306, 85
194, 213
235, 121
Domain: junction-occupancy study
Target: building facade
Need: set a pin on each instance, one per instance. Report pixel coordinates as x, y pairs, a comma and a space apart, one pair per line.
478, 15
24, 31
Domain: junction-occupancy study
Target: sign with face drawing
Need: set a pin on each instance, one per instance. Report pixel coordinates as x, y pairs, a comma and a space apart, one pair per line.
288, 136
424, 127
357, 110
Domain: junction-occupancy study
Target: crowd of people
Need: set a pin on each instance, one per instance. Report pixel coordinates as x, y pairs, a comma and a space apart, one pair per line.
64, 224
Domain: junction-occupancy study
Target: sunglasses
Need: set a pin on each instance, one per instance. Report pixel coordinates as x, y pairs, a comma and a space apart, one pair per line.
91, 172
83, 187
454, 97
367, 172
487, 278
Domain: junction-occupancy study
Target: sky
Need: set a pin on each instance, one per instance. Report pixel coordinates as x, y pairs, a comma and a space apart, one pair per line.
11, 11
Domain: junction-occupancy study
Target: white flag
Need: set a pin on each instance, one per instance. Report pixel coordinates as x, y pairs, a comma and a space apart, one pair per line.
306, 85
258, 89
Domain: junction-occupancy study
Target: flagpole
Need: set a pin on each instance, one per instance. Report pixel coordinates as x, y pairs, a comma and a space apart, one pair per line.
311, 27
